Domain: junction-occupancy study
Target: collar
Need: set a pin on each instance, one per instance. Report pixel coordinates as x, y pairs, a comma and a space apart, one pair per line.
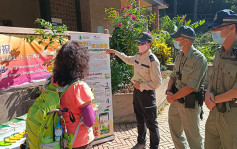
190, 52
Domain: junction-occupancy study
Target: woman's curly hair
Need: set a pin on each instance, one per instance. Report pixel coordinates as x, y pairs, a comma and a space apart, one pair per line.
71, 63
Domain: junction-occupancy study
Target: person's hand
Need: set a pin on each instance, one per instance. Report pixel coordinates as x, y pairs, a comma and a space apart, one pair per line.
108, 51
169, 97
210, 100
136, 85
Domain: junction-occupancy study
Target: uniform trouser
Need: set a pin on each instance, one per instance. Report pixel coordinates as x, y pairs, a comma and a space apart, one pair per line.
221, 129
185, 122
144, 104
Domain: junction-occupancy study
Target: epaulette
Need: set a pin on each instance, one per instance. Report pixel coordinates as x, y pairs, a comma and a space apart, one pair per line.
197, 54
151, 58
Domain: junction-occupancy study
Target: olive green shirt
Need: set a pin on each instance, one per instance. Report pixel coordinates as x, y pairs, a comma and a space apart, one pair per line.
146, 69
224, 70
192, 66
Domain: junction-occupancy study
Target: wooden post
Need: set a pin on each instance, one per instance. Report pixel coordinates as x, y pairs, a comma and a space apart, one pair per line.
175, 8
155, 10
138, 3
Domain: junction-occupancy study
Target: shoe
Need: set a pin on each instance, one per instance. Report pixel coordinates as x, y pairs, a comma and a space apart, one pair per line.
139, 146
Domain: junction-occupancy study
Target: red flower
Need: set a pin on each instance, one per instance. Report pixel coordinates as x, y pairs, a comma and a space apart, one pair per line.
128, 6
120, 25
134, 18
130, 13
117, 13
149, 20
185, 21
131, 25
123, 8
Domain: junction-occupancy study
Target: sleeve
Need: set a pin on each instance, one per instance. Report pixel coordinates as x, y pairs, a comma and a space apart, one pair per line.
127, 59
83, 93
197, 73
156, 78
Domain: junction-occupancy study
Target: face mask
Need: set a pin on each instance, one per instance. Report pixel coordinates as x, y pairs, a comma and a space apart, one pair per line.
143, 48
216, 36
177, 46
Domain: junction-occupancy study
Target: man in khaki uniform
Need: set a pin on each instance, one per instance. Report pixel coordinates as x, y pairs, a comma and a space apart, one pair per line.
221, 95
183, 91
146, 79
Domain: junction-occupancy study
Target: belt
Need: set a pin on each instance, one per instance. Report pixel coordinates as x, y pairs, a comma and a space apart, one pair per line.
233, 103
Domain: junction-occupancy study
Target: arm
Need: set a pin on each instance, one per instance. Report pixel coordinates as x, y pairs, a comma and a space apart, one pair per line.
182, 92
227, 96
88, 114
127, 59
155, 77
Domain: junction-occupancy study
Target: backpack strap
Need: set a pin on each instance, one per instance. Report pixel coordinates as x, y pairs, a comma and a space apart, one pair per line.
76, 132
48, 81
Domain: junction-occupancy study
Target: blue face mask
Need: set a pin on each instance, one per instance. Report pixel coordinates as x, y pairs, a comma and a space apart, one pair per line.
216, 36
177, 46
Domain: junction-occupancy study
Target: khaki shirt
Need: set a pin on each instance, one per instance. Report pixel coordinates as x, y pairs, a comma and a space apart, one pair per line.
146, 68
224, 70
192, 66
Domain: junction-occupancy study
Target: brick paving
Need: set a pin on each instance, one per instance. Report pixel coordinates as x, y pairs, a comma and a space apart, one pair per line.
126, 134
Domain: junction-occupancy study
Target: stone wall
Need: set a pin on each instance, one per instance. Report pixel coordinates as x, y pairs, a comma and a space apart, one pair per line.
16, 101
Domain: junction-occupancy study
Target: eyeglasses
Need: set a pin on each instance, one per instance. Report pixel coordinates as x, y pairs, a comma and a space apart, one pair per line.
141, 44
218, 27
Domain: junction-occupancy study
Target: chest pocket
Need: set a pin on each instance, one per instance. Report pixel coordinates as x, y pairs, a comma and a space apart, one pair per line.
144, 68
230, 72
188, 66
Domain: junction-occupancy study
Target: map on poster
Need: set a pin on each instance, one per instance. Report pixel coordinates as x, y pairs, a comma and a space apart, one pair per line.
99, 80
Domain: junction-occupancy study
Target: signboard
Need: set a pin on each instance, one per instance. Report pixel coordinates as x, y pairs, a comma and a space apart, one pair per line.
20, 61
99, 80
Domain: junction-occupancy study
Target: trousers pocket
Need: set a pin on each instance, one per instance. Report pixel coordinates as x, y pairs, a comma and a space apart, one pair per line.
151, 112
190, 101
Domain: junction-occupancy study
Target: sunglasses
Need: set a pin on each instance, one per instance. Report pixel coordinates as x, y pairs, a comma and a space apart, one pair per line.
141, 44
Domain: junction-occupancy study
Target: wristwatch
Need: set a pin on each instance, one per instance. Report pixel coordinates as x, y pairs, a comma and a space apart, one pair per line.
167, 91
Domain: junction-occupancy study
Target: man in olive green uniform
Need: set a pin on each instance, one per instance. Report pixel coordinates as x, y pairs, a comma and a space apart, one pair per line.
184, 91
146, 79
221, 95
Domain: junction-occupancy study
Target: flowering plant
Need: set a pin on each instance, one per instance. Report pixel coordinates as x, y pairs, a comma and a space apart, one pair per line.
128, 23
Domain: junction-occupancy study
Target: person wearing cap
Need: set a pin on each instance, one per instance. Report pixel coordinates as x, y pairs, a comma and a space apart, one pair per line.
183, 91
221, 94
146, 79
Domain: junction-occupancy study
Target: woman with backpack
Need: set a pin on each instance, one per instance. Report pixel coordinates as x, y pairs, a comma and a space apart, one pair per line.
70, 66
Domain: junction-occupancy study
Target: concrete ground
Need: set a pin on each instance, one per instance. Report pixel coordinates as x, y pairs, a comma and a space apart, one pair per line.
126, 134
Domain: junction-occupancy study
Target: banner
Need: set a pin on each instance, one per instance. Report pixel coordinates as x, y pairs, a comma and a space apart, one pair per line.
20, 61
100, 81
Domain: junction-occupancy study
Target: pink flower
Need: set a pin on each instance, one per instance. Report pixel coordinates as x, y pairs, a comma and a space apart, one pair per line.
123, 8
107, 23
124, 16
131, 25
185, 21
149, 32
149, 20
117, 13
130, 13
182, 16
120, 25
128, 6
134, 18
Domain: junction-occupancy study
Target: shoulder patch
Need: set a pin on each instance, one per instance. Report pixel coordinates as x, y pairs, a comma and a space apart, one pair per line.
198, 54
151, 58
